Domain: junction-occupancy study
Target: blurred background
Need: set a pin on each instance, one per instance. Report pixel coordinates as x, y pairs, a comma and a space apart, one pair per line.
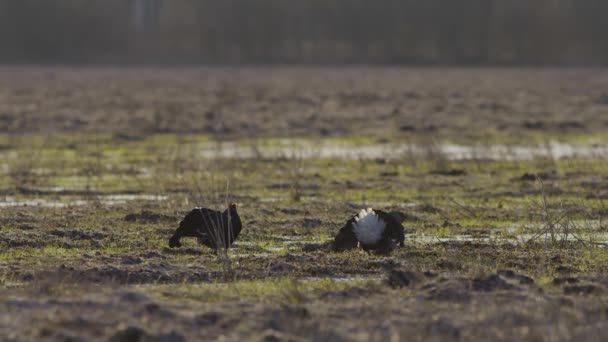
492, 32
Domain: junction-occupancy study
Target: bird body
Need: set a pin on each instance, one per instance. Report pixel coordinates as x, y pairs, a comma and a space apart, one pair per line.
372, 230
212, 228
368, 226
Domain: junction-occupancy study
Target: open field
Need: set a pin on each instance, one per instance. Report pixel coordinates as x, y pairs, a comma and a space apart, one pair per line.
253, 102
503, 175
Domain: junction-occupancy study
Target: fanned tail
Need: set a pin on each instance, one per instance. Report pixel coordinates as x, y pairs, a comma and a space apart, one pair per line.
368, 226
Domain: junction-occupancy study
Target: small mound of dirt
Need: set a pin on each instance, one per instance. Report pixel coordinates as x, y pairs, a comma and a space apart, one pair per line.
389, 174
398, 279
313, 247
129, 334
78, 234
350, 184
531, 177
312, 222
407, 128
563, 269
490, 283
130, 260
586, 289
570, 125
289, 211
123, 274
382, 264
427, 208
566, 280
522, 279
31, 239
129, 136
351, 292
156, 310
133, 297
54, 334
449, 172
533, 125
292, 311
26, 226
449, 290
133, 333
279, 186
445, 264
183, 251
208, 319
443, 328
149, 217
601, 194
280, 267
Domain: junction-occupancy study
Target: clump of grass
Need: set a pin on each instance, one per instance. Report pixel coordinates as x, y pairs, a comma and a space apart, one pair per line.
554, 223
559, 225
25, 170
292, 166
475, 211
435, 154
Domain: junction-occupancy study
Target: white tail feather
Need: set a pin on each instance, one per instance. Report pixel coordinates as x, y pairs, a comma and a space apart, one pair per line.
368, 226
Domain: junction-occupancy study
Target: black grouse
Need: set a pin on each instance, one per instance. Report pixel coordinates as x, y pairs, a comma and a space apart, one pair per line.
372, 230
212, 228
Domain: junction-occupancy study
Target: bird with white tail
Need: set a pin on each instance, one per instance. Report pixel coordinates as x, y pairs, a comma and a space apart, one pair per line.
372, 230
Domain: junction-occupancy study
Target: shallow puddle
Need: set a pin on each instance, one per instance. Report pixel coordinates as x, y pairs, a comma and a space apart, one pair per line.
311, 150
10, 201
357, 279
600, 239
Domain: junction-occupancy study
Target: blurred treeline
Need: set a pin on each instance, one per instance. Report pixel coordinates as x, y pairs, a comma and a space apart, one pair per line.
533, 32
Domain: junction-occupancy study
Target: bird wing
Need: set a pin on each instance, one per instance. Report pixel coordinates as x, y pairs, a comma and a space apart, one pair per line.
198, 221
394, 229
207, 212
346, 238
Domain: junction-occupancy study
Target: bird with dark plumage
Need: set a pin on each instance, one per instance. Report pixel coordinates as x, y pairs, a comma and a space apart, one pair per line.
372, 230
212, 228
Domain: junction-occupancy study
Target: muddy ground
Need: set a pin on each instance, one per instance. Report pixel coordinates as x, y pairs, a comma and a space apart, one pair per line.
94, 177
